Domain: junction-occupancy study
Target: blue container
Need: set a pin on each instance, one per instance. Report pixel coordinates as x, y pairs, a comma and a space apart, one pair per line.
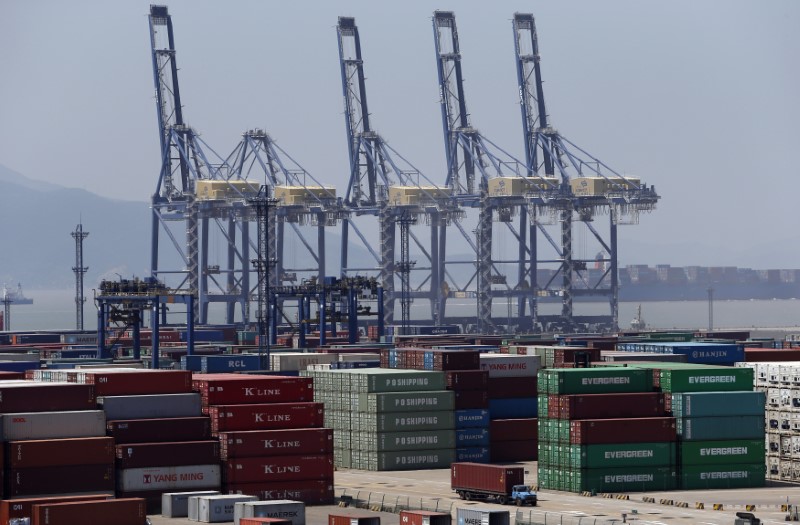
472, 437
436, 330
5, 339
473, 454
207, 336
472, 418
695, 352
19, 366
210, 364
191, 362
513, 408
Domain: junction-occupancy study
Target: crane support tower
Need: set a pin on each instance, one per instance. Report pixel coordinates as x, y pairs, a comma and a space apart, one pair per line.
80, 270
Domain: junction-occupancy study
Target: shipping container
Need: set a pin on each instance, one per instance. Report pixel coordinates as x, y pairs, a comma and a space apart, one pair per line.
159, 406
720, 428
706, 404
467, 379
218, 508
403, 441
510, 451
237, 389
311, 492
127, 382
424, 517
59, 452
406, 460
477, 516
466, 399
406, 421
266, 416
696, 477
23, 507
421, 401
506, 365
479, 478
149, 430
726, 452
353, 519
59, 480
639, 430
29, 396
513, 430
176, 504
695, 352
128, 511
607, 406
52, 425
513, 408
381, 380
618, 455
264, 521
473, 454
170, 454
504, 387
277, 468
706, 379
301, 441
289, 510
630, 479
601, 380
169, 478
472, 437
472, 418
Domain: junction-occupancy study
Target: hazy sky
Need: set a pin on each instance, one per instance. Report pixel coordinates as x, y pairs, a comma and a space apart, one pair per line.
699, 98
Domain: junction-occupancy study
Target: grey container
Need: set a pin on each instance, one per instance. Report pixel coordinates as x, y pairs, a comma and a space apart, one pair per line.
176, 504
219, 508
279, 508
407, 401
473, 516
401, 441
151, 406
406, 421
718, 404
52, 425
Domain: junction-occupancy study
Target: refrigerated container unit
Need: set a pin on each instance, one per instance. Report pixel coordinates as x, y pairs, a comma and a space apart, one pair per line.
218, 508
176, 504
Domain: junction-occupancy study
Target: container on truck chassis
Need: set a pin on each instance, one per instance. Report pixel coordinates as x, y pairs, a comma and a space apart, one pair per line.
502, 483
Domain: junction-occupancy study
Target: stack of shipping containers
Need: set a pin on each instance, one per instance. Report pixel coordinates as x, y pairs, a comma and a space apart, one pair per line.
471, 414
273, 444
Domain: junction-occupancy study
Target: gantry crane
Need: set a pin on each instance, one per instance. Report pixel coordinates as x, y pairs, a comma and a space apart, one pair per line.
591, 188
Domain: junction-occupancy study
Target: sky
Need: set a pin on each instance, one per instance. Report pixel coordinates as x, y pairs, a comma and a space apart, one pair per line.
699, 98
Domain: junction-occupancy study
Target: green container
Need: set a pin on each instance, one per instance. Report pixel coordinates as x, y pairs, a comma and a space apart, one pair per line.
405, 421
630, 479
706, 379
728, 452
708, 404
402, 441
407, 401
393, 380
720, 428
693, 477
411, 460
597, 380
621, 455
563, 426
542, 402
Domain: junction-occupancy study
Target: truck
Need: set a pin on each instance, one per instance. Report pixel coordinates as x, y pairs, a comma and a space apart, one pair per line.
502, 483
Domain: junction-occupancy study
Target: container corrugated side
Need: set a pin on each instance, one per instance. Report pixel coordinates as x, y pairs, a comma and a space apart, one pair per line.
23, 507
158, 406
266, 416
169, 454
400, 441
618, 455
59, 452
706, 379
219, 508
727, 452
59, 480
425, 517
720, 428
473, 454
630, 479
705, 404
595, 380
176, 504
128, 511
600, 431
507, 365
311, 492
52, 425
30, 396
513, 408
302, 441
293, 511
172, 429
693, 477
169, 478
407, 401
278, 468
519, 450
479, 477
405, 422
409, 460
472, 418
473, 516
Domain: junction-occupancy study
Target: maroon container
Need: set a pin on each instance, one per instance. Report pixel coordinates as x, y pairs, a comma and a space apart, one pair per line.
471, 399
567, 355
152, 498
264, 521
175, 454
237, 389
28, 396
425, 517
149, 430
277, 468
288, 442
114, 511
136, 383
467, 379
525, 450
23, 508
266, 416
460, 359
310, 492
510, 387
485, 478
608, 406
768, 354
641, 430
59, 452
354, 519
501, 430
59, 480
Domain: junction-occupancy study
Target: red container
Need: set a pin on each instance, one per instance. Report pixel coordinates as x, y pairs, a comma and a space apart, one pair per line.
768, 354
288, 442
608, 406
135, 383
424, 517
480, 477
6, 375
277, 468
23, 508
264, 521
59, 480
641, 430
509, 387
108, 512
152, 498
467, 379
471, 399
174, 454
266, 416
238, 389
310, 492
148, 430
525, 450
455, 359
354, 519
501, 430
27, 396
59, 452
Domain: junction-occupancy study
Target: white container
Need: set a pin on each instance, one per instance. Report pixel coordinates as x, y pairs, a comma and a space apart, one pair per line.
508, 365
289, 361
176, 504
169, 478
155, 406
218, 509
280, 508
52, 425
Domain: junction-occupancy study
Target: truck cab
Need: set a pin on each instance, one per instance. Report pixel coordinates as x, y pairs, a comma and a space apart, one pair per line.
522, 495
